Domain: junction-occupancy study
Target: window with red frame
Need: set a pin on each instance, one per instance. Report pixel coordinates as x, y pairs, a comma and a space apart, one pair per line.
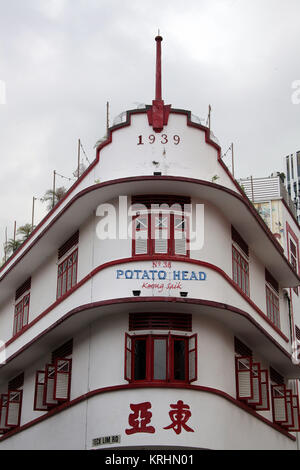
67, 274
272, 300
160, 233
240, 270
22, 301
294, 260
161, 358
21, 314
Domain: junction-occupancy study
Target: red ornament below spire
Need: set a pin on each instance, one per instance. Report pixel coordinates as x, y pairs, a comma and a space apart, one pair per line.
158, 114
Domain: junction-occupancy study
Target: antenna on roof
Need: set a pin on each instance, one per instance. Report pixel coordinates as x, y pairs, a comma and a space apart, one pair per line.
107, 118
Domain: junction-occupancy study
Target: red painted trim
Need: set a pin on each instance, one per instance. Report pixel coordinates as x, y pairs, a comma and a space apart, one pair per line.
158, 95
147, 258
129, 113
130, 300
149, 178
115, 388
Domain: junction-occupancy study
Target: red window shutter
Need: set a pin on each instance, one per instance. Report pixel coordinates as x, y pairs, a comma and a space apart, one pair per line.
264, 386
289, 407
39, 392
256, 383
280, 414
180, 235
49, 385
141, 234
62, 381
244, 383
3, 411
295, 411
128, 358
161, 233
14, 405
192, 350
170, 358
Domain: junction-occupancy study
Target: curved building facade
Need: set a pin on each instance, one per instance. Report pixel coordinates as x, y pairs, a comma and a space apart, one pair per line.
152, 307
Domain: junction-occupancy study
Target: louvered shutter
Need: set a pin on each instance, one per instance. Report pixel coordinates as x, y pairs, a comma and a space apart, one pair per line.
170, 363
289, 407
161, 233
141, 235
279, 403
39, 391
244, 378
49, 385
14, 404
264, 386
62, 383
192, 349
128, 358
3, 411
256, 383
180, 235
295, 411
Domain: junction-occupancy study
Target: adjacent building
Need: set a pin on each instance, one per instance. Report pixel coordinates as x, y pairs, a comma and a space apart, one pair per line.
153, 307
292, 182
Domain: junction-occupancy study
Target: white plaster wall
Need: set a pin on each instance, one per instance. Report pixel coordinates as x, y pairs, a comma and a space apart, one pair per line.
6, 319
192, 157
43, 287
217, 424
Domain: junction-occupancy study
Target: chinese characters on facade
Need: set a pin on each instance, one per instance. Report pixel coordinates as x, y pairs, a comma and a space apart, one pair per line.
140, 418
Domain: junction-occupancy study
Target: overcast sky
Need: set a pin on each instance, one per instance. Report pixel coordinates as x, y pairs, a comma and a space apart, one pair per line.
62, 60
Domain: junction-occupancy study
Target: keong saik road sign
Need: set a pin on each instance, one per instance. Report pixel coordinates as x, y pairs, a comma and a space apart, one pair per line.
160, 277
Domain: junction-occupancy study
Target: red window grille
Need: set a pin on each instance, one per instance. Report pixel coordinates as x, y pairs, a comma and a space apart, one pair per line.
236, 237
68, 245
240, 269
26, 286
17, 382
241, 349
272, 301
160, 321
271, 280
67, 274
21, 314
160, 358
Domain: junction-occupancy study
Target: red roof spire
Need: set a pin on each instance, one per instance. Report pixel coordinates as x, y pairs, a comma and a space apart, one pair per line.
158, 40
158, 114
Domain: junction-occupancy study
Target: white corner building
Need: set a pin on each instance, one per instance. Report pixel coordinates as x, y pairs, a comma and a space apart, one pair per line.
152, 307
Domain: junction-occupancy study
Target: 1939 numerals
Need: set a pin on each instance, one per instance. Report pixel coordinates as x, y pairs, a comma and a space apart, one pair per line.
163, 139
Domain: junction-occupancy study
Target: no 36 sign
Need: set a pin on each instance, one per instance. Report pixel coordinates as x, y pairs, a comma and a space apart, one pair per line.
162, 138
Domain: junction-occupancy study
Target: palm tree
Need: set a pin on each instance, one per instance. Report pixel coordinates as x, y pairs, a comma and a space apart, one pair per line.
53, 197
11, 246
25, 231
